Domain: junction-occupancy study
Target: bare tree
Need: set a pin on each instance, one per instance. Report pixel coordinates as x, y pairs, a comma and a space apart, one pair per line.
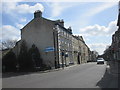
8, 44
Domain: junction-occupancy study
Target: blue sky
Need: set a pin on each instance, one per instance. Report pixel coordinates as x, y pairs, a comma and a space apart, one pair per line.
95, 21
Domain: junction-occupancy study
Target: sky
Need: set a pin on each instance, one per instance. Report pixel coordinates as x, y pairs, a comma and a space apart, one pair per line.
94, 20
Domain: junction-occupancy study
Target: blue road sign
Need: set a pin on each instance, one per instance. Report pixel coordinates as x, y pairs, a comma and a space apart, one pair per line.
49, 49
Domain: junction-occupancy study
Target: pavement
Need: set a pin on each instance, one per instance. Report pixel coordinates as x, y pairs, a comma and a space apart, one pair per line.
113, 70
113, 67
109, 80
14, 74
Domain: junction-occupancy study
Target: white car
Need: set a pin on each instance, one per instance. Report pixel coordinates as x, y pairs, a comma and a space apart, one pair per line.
100, 61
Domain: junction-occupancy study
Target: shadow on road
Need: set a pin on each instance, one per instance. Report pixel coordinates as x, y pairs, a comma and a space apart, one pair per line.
108, 81
13, 74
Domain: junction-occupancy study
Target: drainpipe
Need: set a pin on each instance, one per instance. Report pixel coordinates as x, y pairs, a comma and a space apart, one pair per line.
55, 49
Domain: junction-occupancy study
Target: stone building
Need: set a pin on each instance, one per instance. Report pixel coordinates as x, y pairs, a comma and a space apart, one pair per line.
113, 52
41, 32
94, 56
76, 50
57, 45
64, 43
81, 52
115, 46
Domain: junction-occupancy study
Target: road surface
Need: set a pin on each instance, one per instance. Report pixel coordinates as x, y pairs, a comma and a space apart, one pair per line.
80, 76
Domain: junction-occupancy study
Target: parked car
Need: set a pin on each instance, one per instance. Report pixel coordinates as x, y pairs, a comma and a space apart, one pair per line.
100, 61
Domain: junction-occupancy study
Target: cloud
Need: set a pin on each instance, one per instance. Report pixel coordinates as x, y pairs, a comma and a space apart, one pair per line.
9, 33
98, 37
87, 16
19, 26
99, 30
14, 7
23, 20
100, 8
58, 7
25, 8
61, 0
99, 47
12, 0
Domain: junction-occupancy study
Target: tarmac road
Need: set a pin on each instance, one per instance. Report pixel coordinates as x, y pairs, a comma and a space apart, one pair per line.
89, 75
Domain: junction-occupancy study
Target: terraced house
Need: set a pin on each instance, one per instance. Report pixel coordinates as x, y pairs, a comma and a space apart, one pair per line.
113, 52
57, 45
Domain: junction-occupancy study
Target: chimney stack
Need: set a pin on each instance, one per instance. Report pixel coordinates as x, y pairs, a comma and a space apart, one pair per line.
37, 14
62, 22
70, 29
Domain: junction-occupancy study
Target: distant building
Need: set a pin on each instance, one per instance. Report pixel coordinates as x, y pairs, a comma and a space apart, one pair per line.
94, 55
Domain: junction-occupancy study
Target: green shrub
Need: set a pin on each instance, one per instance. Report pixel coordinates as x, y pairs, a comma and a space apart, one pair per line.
34, 56
29, 60
23, 58
9, 62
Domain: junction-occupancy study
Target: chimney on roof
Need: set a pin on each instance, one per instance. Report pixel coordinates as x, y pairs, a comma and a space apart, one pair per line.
70, 29
62, 22
37, 14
